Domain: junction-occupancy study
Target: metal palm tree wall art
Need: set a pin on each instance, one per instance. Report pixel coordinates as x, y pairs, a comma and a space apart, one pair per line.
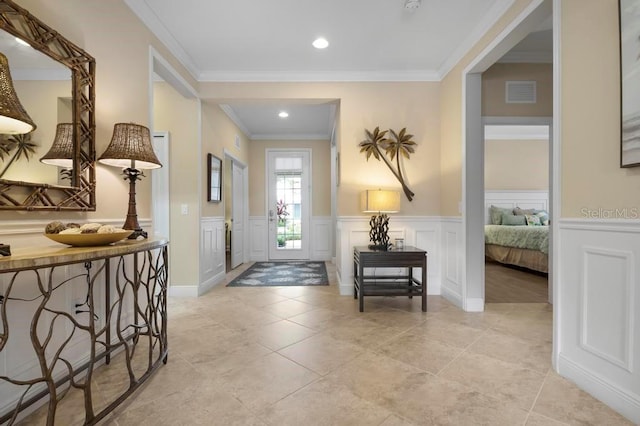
400, 144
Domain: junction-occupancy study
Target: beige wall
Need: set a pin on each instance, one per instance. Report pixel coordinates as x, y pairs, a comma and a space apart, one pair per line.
451, 116
321, 174
590, 117
516, 164
178, 115
122, 91
218, 134
493, 90
415, 106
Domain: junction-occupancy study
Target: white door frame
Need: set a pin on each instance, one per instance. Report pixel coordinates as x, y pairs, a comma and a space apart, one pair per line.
473, 150
304, 253
472, 158
160, 181
245, 212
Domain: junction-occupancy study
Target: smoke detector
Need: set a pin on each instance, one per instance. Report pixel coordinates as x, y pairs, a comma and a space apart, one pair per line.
412, 5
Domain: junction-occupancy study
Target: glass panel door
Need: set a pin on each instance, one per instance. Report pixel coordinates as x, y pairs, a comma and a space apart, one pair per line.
288, 205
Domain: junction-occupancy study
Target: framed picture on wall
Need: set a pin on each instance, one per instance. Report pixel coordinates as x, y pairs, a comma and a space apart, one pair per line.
629, 15
214, 179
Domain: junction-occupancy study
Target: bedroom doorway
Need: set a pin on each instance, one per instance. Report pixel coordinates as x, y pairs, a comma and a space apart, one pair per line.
516, 203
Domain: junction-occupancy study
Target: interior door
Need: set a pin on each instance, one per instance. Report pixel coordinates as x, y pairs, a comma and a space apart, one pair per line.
288, 209
237, 215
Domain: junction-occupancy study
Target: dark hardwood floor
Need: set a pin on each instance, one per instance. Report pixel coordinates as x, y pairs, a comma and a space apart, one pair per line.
505, 284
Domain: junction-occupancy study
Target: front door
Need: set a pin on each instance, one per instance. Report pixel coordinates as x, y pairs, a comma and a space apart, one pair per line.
288, 183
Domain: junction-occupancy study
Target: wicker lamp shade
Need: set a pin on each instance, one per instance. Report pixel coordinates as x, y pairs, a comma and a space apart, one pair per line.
130, 147
14, 120
61, 152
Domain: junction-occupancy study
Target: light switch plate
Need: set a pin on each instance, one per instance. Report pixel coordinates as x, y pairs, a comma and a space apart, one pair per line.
184, 208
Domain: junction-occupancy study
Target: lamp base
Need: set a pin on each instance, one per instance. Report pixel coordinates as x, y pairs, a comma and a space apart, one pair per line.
380, 247
131, 223
139, 232
378, 234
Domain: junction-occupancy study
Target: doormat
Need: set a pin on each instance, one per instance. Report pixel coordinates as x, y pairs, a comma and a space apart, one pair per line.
269, 274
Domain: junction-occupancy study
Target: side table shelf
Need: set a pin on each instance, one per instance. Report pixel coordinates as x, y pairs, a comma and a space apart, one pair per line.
389, 285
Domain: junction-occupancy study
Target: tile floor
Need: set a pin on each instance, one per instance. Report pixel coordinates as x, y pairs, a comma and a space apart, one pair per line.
306, 356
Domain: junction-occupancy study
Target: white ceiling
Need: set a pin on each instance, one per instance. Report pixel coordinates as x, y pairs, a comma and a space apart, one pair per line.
258, 40
370, 40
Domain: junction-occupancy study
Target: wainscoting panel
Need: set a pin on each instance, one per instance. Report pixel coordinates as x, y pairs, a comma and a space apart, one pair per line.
605, 308
212, 254
321, 238
599, 301
258, 238
421, 232
524, 199
452, 254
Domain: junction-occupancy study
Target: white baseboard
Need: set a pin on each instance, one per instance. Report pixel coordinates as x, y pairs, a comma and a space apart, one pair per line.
346, 288
626, 403
474, 305
452, 297
183, 291
211, 283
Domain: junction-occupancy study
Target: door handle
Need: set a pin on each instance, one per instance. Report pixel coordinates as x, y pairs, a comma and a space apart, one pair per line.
271, 216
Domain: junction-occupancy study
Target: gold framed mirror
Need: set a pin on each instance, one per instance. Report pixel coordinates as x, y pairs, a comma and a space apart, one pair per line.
80, 195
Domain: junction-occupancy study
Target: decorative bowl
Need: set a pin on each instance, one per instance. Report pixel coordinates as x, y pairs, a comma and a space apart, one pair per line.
88, 240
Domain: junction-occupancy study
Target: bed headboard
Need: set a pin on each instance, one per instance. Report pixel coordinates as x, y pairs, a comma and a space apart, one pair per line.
510, 198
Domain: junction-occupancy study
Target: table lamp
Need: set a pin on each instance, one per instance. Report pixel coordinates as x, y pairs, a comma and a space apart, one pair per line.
131, 149
14, 120
61, 152
381, 202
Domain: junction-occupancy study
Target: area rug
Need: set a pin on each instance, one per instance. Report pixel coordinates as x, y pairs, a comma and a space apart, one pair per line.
282, 274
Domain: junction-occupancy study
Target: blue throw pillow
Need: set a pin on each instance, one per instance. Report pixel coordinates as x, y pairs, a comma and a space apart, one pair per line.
544, 217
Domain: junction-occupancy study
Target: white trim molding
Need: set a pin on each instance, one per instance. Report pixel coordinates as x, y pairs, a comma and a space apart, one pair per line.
212, 253
599, 345
424, 232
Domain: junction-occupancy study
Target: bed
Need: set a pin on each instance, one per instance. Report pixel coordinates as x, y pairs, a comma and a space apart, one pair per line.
515, 231
524, 246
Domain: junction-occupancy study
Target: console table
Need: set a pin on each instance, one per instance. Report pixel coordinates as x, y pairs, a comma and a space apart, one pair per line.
79, 319
389, 285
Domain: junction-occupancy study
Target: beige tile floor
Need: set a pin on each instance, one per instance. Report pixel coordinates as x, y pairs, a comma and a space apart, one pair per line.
306, 356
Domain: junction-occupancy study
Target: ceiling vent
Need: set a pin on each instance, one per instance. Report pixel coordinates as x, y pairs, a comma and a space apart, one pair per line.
520, 92
412, 5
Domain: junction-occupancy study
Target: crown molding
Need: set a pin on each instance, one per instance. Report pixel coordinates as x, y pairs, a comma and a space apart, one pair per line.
495, 13
318, 76
234, 117
148, 18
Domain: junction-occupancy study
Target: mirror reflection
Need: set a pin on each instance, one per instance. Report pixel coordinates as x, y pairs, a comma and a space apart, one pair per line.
44, 89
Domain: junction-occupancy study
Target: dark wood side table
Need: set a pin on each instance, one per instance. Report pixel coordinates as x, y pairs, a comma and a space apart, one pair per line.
389, 285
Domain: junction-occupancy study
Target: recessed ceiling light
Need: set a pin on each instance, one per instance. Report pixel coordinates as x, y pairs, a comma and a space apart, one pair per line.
22, 42
283, 114
320, 43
